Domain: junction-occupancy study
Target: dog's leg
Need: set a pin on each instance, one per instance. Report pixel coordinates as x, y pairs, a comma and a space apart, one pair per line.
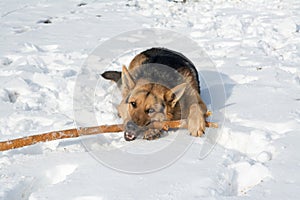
196, 120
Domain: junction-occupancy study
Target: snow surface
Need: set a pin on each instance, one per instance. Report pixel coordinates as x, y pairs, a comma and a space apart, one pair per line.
255, 48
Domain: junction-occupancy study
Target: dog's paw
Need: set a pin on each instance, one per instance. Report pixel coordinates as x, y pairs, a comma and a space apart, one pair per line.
152, 134
196, 121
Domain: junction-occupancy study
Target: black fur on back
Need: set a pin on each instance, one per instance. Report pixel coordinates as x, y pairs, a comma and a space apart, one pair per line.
171, 59
162, 56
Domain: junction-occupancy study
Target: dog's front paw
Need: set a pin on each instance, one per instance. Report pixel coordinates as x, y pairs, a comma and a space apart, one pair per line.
152, 134
196, 121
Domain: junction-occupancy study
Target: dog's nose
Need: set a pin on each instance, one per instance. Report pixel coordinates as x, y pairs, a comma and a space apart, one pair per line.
130, 131
131, 126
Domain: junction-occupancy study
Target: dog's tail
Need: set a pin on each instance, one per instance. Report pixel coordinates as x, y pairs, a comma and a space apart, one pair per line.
112, 75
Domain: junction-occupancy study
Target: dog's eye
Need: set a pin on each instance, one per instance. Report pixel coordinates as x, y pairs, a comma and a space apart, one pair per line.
150, 110
133, 104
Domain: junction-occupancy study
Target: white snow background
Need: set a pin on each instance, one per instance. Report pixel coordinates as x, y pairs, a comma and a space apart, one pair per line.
254, 44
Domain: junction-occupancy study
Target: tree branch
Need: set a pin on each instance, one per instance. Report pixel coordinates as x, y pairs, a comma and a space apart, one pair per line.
72, 133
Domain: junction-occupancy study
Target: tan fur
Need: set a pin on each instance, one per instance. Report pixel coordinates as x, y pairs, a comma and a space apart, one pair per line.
137, 61
158, 99
154, 100
144, 102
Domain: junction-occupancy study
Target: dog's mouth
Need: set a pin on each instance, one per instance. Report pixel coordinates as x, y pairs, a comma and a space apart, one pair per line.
129, 136
132, 131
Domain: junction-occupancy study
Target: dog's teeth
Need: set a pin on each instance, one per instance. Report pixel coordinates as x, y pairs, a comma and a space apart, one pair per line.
129, 137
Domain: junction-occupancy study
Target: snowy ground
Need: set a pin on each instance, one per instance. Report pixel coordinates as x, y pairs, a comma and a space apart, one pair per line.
255, 47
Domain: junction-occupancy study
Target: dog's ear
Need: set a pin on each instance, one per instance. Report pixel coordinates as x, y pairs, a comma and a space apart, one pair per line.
127, 80
173, 95
112, 75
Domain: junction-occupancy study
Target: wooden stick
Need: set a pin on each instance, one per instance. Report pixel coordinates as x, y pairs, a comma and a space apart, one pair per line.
73, 133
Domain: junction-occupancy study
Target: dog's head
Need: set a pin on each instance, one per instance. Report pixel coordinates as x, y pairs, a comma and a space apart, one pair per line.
144, 102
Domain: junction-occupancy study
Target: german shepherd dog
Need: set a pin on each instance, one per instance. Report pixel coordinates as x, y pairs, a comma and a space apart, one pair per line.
159, 85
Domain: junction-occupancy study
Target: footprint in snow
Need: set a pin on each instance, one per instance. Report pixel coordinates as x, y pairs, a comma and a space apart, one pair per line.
44, 21
6, 61
8, 96
28, 185
81, 4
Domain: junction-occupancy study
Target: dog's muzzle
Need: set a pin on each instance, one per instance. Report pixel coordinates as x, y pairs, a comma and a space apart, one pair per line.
131, 131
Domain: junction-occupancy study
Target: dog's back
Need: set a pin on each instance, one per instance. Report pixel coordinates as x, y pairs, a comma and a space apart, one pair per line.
162, 56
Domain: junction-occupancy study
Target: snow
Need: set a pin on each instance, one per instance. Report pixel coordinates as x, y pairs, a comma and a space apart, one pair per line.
251, 82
